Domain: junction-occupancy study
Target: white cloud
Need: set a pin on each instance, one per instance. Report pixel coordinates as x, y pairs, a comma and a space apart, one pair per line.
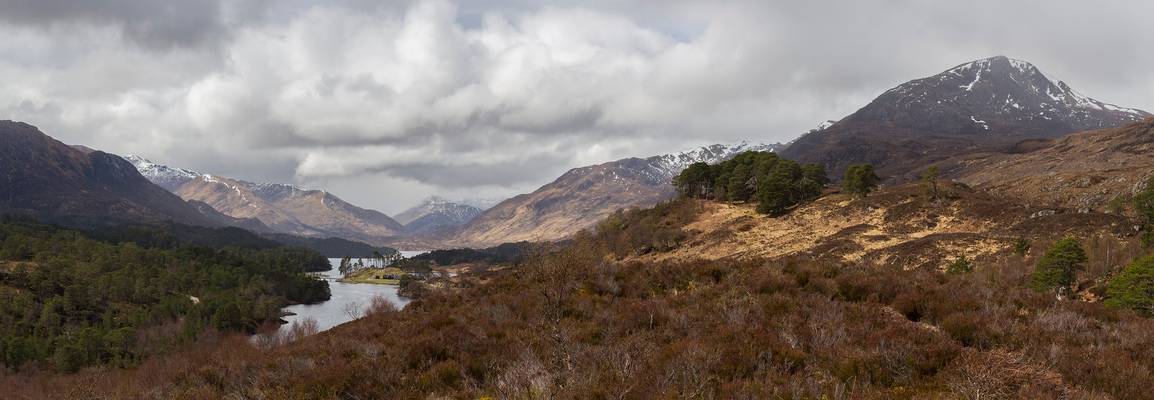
500, 96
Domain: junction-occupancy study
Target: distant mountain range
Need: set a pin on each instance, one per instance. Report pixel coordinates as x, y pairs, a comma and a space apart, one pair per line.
984, 105
436, 213
584, 196
986, 111
282, 208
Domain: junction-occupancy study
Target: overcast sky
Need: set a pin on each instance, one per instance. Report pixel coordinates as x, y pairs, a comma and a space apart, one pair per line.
386, 104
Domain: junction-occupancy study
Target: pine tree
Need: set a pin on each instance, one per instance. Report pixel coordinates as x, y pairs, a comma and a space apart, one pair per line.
1058, 267
860, 180
1133, 288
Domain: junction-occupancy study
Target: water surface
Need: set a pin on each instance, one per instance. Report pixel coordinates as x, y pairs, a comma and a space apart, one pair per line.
337, 310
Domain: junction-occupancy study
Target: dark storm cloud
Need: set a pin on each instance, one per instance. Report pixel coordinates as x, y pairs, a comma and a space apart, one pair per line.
150, 23
494, 95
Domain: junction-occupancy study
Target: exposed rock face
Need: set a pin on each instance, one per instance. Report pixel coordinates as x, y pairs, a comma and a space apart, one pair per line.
1083, 171
582, 197
984, 105
282, 208
43, 177
436, 213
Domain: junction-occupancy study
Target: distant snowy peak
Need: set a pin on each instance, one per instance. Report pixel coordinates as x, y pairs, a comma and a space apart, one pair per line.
996, 94
164, 176
436, 212
1032, 79
172, 177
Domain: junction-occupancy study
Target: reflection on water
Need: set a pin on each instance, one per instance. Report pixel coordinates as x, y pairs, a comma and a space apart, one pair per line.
348, 301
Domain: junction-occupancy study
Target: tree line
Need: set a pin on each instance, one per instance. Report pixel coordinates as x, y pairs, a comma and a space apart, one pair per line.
776, 184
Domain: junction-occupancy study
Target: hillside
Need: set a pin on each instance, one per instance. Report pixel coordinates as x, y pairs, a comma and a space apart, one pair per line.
1084, 171
582, 197
282, 208
51, 180
980, 106
894, 228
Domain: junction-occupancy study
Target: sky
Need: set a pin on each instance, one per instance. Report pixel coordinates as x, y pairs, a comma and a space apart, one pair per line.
387, 102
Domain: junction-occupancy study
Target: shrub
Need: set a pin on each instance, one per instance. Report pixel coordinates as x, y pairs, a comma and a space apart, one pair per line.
1021, 246
960, 265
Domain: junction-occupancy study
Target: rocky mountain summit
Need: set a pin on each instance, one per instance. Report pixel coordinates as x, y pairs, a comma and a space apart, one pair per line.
983, 105
436, 213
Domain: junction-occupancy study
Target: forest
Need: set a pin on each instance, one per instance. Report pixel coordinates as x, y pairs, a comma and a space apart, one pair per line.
70, 299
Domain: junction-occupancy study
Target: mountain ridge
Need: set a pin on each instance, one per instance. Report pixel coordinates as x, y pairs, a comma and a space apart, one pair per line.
282, 207
582, 197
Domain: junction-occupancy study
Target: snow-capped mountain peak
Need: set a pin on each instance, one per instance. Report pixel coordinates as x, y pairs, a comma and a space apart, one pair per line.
994, 95
436, 212
167, 177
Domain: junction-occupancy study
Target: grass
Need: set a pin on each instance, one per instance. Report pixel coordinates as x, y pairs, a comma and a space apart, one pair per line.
374, 276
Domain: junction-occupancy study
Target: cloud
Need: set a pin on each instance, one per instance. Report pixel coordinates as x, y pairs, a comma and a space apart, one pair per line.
504, 95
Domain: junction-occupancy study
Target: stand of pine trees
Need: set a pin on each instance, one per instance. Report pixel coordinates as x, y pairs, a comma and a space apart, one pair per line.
775, 183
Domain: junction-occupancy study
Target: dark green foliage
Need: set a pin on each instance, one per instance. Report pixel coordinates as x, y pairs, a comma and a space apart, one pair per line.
1021, 246
507, 253
332, 247
1133, 288
960, 265
860, 180
696, 181
1057, 268
72, 301
777, 184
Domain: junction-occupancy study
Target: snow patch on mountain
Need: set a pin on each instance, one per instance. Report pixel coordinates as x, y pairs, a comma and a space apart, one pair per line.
661, 169
164, 176
436, 213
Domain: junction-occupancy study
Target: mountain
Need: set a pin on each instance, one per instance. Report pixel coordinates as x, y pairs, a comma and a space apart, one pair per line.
282, 208
1083, 171
43, 177
984, 105
436, 213
584, 196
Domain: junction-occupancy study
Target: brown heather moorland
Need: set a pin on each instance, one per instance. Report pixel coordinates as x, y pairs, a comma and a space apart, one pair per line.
609, 317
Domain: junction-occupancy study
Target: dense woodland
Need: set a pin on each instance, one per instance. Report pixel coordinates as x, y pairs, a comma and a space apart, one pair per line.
775, 183
68, 300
